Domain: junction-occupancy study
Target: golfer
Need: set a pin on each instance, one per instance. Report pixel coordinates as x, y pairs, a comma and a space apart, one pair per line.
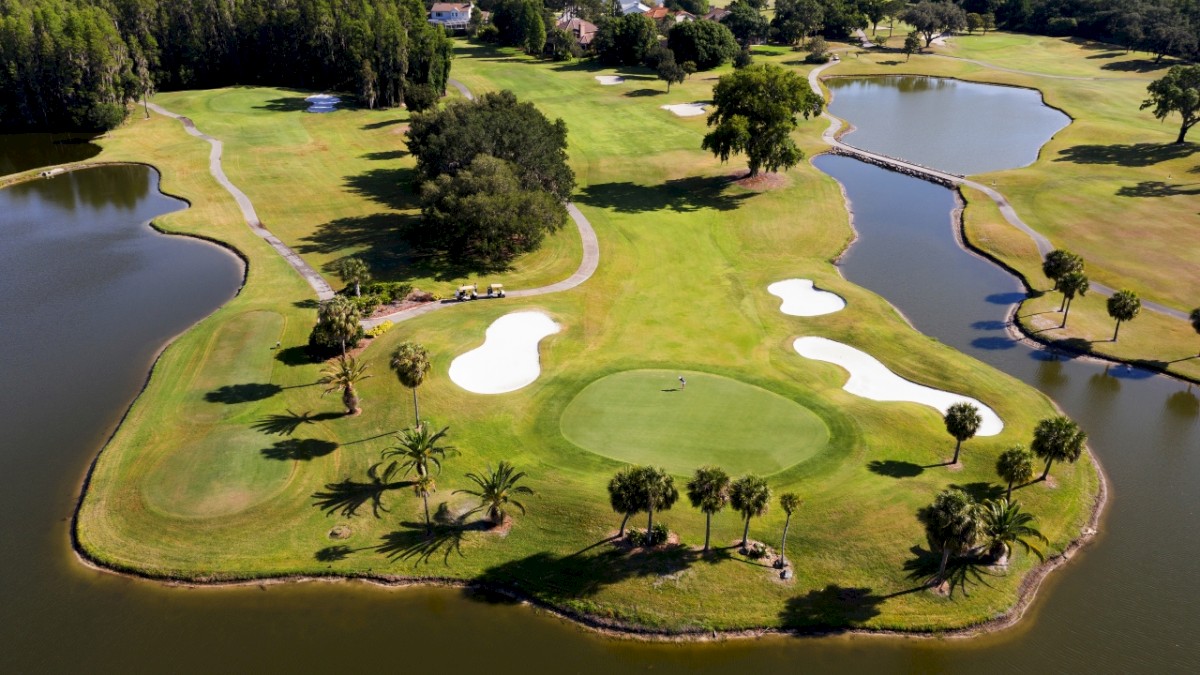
682, 383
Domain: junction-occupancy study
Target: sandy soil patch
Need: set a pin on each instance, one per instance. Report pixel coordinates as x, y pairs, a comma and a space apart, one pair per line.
609, 80
800, 298
869, 378
322, 103
508, 358
685, 109
760, 183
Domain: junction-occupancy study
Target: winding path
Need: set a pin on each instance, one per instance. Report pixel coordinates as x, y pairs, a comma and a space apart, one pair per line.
830, 136
314, 278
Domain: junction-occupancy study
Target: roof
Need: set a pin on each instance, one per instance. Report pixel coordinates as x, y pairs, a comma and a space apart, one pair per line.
583, 31
450, 7
716, 14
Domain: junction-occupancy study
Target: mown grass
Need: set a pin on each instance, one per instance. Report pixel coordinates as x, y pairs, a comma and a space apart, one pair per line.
182, 490
1111, 187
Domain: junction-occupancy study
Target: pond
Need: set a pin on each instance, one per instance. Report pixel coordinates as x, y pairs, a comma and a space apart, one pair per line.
22, 152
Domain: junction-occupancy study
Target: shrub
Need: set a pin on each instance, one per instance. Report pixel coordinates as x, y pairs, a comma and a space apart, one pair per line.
658, 535
380, 329
488, 33
388, 291
757, 551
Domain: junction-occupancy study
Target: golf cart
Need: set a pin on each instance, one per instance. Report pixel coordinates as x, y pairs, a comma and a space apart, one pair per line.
495, 291
467, 292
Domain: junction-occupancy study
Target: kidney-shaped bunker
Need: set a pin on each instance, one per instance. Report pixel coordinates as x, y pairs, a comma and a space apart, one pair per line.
508, 358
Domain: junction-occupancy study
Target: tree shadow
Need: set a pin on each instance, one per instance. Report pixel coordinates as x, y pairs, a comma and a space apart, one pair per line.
1157, 188
384, 155
1139, 65
636, 93
1136, 154
413, 544
981, 491
285, 424
894, 468
294, 356
347, 496
831, 608
1005, 298
394, 188
961, 571
995, 343
333, 553
381, 124
299, 449
989, 325
1106, 55
232, 394
285, 104
682, 195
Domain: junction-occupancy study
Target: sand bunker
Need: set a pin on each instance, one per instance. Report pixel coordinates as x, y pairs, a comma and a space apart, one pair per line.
871, 379
685, 109
508, 358
609, 79
322, 103
801, 299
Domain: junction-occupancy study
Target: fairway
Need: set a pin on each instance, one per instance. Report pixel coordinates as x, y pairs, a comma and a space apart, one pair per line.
644, 417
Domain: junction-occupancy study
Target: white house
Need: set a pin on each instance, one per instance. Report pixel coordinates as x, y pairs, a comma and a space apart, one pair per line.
452, 15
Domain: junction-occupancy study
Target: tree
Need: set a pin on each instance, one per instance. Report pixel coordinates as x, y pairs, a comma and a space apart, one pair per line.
974, 22
708, 490
342, 376
1072, 284
962, 422
423, 486
411, 364
749, 496
746, 23
755, 113
696, 7
1015, 465
1124, 305
874, 10
989, 22
657, 490
951, 525
795, 20
1194, 317
561, 45
1176, 92
912, 45
1167, 32
625, 496
447, 141
497, 489
533, 28
1057, 439
818, 50
1005, 524
789, 502
485, 214
337, 323
668, 70
354, 271
1058, 264
624, 40
707, 44
931, 19
416, 449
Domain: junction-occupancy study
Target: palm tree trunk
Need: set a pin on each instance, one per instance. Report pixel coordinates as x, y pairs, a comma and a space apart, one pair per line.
1046, 473
783, 544
416, 410
649, 521
1062, 305
1066, 313
707, 529
1009, 496
957, 447
746, 533
428, 525
1116, 330
350, 400
624, 521
942, 568
357, 290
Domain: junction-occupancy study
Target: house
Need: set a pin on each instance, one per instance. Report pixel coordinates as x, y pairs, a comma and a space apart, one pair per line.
451, 15
583, 31
716, 14
661, 13
633, 7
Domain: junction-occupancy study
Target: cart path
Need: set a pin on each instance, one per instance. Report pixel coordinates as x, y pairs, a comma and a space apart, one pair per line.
953, 180
314, 278
587, 266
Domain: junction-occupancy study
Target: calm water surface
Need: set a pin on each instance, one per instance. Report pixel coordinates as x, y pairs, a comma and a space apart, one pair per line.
90, 293
956, 126
21, 152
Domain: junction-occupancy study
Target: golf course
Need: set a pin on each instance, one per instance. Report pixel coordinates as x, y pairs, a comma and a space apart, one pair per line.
231, 466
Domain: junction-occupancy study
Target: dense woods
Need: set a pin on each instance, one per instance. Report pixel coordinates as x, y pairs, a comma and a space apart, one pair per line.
74, 64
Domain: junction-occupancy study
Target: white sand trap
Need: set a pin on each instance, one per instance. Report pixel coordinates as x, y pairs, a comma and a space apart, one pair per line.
508, 358
322, 103
685, 109
608, 80
871, 379
801, 299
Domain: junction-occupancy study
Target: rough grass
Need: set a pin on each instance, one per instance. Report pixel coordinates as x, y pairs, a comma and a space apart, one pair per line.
686, 259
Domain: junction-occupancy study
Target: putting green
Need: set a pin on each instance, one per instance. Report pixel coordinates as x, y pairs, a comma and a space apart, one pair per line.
644, 417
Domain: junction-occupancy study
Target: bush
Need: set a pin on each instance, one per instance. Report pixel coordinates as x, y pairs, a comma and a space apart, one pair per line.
419, 97
489, 34
388, 291
380, 329
757, 551
322, 344
657, 536
743, 59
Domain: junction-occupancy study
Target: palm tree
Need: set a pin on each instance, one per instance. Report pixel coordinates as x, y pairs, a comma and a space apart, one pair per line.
951, 525
1015, 465
411, 364
1194, 317
1058, 264
1057, 439
624, 495
962, 421
1123, 305
751, 497
354, 271
708, 490
338, 317
341, 376
789, 502
496, 491
417, 449
1004, 524
1072, 284
423, 486
657, 489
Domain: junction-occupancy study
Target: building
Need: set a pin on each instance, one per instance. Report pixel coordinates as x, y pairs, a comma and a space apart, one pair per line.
583, 31
633, 7
662, 13
716, 14
451, 15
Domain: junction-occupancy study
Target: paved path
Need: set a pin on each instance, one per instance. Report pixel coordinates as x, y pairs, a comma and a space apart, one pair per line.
314, 278
953, 180
587, 266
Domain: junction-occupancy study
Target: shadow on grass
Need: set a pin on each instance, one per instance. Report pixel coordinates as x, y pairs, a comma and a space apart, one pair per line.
644, 92
386, 155
394, 188
682, 195
299, 449
961, 571
333, 553
831, 608
895, 469
232, 394
347, 496
285, 104
381, 124
1135, 154
981, 491
1139, 65
294, 356
413, 544
286, 424
1157, 188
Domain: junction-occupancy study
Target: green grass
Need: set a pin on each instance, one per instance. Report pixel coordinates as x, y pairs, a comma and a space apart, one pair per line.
643, 417
185, 489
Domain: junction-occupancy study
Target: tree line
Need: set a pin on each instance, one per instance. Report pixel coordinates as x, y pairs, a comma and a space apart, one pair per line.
75, 64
